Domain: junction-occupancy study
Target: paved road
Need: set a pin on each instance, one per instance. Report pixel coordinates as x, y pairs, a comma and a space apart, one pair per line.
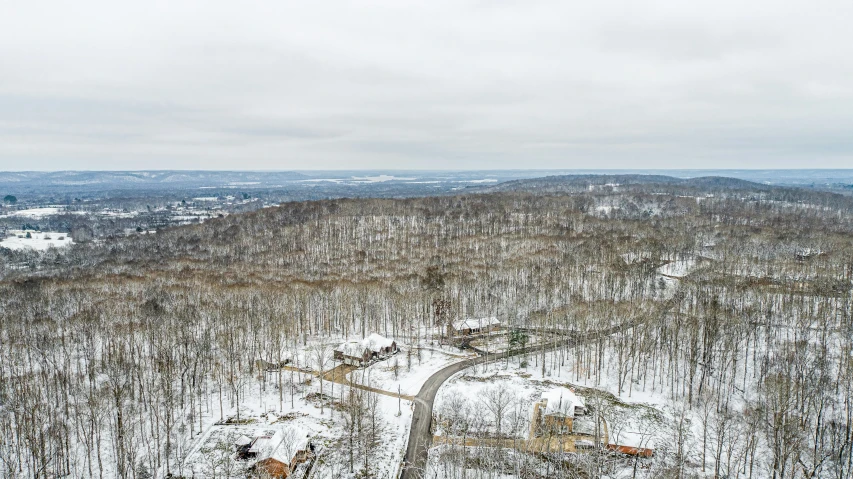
420, 437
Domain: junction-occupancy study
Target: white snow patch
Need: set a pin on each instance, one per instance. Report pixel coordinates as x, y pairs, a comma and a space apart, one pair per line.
36, 212
38, 241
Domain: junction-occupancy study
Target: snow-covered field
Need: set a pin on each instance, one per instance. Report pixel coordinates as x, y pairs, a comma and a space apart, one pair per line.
38, 241
34, 212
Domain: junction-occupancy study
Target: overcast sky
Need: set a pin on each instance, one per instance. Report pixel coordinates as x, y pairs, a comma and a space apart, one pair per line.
435, 84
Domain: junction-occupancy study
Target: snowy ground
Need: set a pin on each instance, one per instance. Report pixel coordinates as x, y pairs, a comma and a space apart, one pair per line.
678, 268
500, 464
409, 378
39, 241
499, 342
474, 387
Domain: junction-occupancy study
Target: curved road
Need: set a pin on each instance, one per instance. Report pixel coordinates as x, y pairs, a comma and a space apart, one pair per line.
420, 437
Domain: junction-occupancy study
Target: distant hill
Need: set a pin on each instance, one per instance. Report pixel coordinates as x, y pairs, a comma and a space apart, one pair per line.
568, 183
142, 179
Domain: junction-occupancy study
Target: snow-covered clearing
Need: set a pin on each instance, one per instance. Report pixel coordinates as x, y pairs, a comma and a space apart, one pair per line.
35, 212
678, 268
605, 210
38, 241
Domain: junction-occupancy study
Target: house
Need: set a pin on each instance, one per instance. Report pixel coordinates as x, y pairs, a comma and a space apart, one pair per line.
353, 353
584, 444
557, 411
468, 327
359, 353
258, 446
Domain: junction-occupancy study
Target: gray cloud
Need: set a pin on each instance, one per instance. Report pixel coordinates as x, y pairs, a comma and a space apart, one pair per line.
440, 84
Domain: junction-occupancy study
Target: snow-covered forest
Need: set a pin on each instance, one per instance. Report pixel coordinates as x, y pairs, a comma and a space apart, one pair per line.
116, 355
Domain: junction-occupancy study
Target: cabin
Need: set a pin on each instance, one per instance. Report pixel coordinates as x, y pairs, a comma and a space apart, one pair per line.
468, 327
359, 353
557, 411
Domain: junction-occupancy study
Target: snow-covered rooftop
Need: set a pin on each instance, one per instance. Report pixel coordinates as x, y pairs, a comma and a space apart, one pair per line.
375, 342
262, 445
38, 240
562, 401
472, 323
352, 348
288, 446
